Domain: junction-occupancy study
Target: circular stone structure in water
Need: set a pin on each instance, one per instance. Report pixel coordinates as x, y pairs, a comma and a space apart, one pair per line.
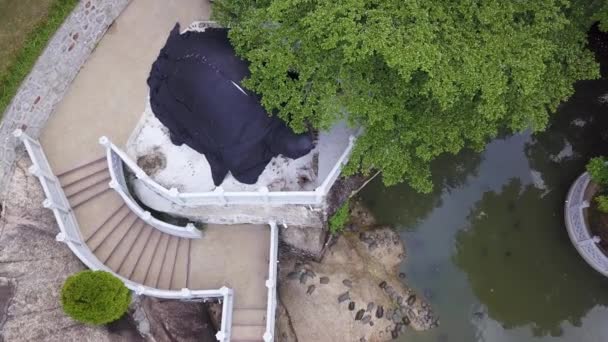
576, 215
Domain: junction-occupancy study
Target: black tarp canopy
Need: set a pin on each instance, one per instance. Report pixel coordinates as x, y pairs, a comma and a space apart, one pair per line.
195, 92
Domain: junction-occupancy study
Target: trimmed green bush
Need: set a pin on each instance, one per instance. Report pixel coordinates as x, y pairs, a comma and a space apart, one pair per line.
339, 218
602, 203
598, 170
95, 297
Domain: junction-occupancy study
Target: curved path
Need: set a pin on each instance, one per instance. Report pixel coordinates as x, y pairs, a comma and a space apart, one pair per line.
107, 99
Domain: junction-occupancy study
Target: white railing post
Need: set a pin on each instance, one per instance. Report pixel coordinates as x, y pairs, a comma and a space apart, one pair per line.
226, 325
219, 191
264, 191
38, 172
319, 195
174, 194
271, 282
49, 204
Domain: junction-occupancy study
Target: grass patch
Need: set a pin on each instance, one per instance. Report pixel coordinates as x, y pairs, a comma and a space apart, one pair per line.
34, 43
340, 218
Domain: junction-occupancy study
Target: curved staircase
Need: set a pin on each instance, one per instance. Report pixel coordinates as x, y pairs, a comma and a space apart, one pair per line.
107, 230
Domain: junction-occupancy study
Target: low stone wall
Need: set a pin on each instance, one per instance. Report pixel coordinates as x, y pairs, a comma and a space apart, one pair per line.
575, 215
52, 74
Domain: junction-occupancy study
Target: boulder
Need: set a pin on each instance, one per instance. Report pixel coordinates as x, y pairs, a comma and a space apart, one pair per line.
172, 320
356, 284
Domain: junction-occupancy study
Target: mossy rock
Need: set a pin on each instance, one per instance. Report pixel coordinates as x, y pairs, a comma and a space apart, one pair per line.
95, 297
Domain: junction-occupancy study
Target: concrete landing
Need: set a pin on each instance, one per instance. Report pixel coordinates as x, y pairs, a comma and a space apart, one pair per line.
235, 256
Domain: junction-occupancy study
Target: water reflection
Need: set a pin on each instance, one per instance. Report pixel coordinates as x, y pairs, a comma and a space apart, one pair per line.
577, 133
448, 172
521, 266
488, 247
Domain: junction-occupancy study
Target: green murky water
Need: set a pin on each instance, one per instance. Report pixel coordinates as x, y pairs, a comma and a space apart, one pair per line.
488, 248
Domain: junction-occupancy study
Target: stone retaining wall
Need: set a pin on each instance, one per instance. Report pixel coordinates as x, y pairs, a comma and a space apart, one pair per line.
52, 74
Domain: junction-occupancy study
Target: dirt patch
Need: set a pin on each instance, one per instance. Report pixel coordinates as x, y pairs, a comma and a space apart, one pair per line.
152, 163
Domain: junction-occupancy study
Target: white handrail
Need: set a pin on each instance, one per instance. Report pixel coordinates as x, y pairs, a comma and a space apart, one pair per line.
118, 183
70, 235
220, 196
271, 282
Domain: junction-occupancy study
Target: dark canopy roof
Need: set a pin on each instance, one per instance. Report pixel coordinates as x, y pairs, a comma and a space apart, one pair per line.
195, 92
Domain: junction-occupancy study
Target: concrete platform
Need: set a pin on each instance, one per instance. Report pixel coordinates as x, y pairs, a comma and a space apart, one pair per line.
188, 171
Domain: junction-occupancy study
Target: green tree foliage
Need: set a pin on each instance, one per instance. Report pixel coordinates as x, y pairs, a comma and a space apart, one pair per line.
340, 218
602, 16
598, 170
422, 77
95, 297
602, 203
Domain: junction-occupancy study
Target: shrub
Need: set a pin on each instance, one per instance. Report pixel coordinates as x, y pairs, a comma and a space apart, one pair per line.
598, 170
339, 218
94, 297
602, 203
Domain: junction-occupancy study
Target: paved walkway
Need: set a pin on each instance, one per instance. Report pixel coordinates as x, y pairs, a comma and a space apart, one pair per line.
107, 98
108, 95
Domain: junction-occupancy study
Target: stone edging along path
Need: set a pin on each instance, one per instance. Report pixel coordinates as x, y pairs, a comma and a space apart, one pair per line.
52, 74
575, 215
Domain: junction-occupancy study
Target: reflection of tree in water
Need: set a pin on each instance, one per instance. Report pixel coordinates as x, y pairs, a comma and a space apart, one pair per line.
522, 266
579, 126
401, 205
580, 122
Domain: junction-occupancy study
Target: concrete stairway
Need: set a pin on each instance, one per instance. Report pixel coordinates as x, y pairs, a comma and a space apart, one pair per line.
120, 239
235, 256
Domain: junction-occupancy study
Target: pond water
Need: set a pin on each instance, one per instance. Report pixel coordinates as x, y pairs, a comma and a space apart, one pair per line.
488, 248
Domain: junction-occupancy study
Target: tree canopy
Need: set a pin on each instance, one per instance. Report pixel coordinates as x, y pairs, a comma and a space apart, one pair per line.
421, 77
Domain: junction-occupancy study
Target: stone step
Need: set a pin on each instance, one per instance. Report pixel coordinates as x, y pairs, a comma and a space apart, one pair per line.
83, 171
92, 215
243, 333
142, 268
132, 259
180, 272
157, 262
169, 263
249, 316
107, 227
86, 183
84, 175
105, 249
125, 246
88, 194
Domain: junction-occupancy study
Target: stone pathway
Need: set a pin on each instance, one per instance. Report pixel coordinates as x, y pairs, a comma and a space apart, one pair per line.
53, 73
